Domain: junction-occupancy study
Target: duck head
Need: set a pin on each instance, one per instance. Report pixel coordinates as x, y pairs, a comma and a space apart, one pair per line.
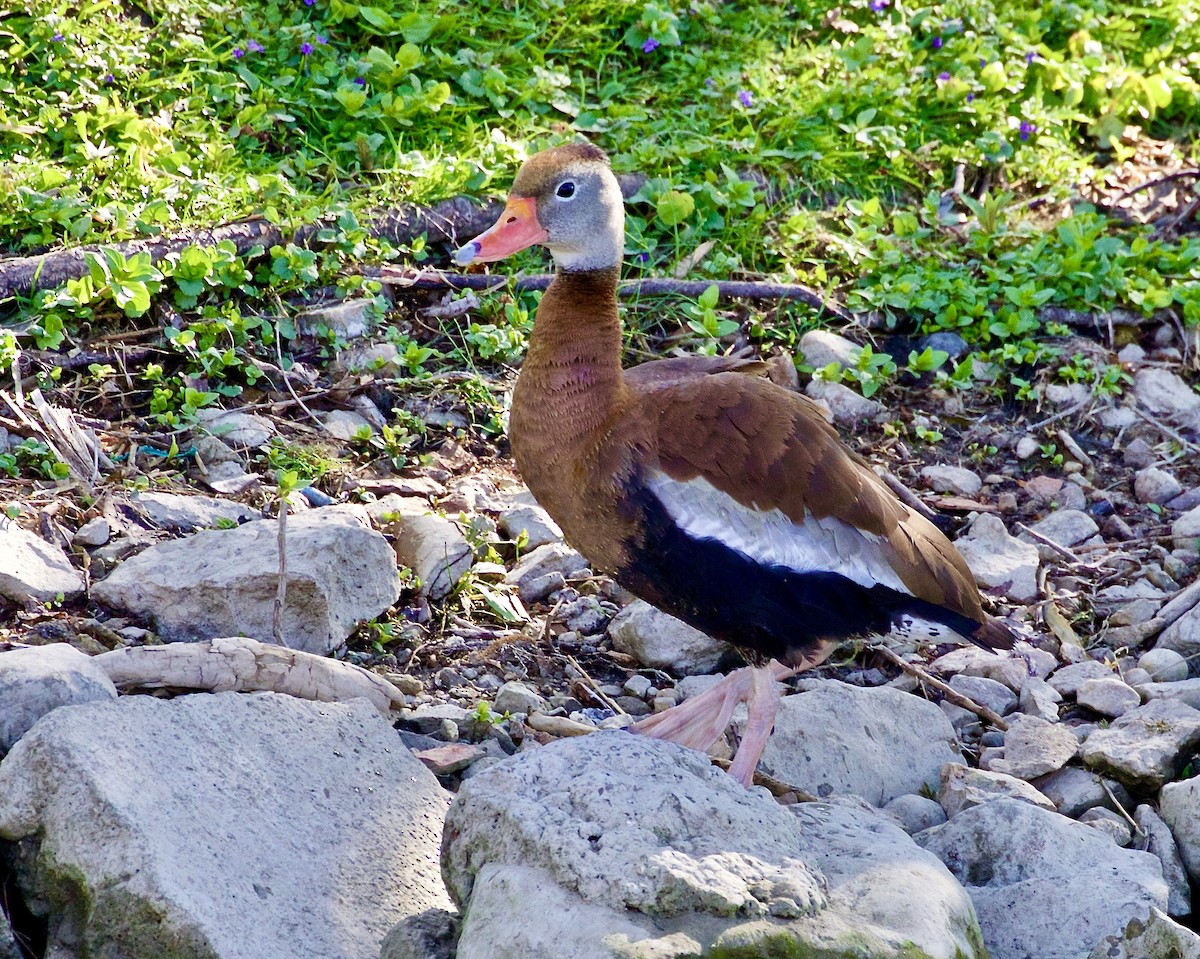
566, 199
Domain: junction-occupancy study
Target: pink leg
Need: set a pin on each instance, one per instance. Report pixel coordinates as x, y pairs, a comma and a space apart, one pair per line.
700, 721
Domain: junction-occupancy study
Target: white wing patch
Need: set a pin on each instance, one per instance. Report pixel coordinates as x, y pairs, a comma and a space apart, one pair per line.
772, 538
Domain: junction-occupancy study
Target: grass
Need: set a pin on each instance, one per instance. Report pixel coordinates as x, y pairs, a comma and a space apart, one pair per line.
807, 141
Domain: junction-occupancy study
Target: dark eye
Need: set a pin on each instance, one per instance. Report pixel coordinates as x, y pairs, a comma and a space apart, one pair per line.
566, 190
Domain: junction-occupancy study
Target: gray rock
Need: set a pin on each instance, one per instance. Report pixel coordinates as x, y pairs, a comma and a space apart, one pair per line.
951, 479
640, 848
999, 561
348, 320
1185, 691
1040, 699
915, 813
1108, 696
224, 582
178, 828
533, 521
238, 430
1136, 677
516, 697
1185, 531
433, 717
1167, 394
1156, 838
1109, 823
585, 616
637, 685
821, 347
535, 566
1067, 527
1134, 613
427, 935
1074, 790
963, 787
1152, 485
1146, 746
1067, 680
1179, 806
1007, 667
875, 743
32, 569
1034, 747
986, 692
38, 679
1154, 938
95, 532
1027, 446
661, 641
174, 511
1044, 886
345, 425
382, 358
845, 405
948, 342
428, 544
1183, 635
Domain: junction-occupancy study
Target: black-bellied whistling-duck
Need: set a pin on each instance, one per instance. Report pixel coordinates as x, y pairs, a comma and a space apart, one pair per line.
710, 492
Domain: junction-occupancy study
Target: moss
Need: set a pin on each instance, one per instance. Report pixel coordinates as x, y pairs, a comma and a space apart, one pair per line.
765, 940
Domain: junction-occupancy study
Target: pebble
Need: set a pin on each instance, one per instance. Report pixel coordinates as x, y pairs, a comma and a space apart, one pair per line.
952, 479
1164, 665
638, 685
1027, 446
1138, 454
1185, 531
95, 532
1110, 823
1038, 698
1153, 485
533, 521
1067, 527
986, 692
1108, 696
516, 697
1034, 747
1068, 679
999, 561
915, 813
821, 347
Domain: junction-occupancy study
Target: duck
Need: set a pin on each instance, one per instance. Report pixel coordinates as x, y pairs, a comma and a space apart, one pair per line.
701, 486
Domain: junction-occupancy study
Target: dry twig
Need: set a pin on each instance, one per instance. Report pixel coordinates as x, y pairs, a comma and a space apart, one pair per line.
952, 694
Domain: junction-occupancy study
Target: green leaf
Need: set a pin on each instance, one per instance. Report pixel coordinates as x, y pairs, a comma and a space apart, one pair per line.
708, 299
993, 77
674, 207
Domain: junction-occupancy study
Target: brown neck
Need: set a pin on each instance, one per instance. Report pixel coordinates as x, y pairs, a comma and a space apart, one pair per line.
571, 380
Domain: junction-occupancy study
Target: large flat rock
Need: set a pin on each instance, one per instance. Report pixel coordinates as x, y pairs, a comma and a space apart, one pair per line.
38, 679
612, 845
224, 582
221, 825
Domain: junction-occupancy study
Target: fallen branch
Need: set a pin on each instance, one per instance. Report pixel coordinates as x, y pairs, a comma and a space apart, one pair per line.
952, 694
653, 286
246, 665
1157, 181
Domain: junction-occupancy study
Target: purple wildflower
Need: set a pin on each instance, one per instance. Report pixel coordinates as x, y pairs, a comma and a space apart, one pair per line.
238, 53
650, 45
937, 43
970, 97
309, 3
643, 257
322, 39
306, 48
1026, 129
255, 47
109, 78
58, 38
710, 83
1030, 57
879, 5
944, 75
360, 81
745, 99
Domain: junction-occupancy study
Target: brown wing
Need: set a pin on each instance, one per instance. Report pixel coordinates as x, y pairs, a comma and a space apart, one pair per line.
770, 448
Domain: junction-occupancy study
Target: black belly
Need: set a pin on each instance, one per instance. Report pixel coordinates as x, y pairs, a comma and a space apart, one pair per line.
770, 612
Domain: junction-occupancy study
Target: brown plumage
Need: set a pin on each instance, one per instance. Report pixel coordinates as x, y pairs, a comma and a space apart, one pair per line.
700, 485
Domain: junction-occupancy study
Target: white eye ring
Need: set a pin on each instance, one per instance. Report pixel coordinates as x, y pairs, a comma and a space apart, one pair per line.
565, 191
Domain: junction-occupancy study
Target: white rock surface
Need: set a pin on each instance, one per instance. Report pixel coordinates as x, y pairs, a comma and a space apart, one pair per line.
38, 679
659, 640
95, 532
222, 826
625, 837
516, 697
223, 582
1009, 667
999, 561
1034, 747
943, 478
986, 692
236, 429
1183, 635
31, 568
1040, 699
430, 545
877, 743
1146, 746
1074, 790
1044, 886
537, 571
1168, 394
175, 511
915, 813
345, 425
821, 347
1067, 680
